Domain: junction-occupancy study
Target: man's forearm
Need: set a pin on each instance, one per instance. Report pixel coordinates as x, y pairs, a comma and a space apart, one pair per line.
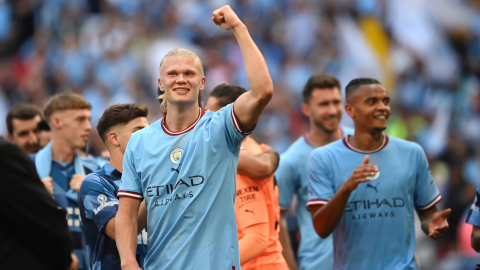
142, 217
126, 235
326, 218
256, 68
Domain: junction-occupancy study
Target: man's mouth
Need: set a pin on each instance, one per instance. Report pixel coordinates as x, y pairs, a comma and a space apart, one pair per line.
381, 117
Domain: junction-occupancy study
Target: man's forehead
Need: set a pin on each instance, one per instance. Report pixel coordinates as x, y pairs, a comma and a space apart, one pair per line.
371, 90
180, 62
22, 124
76, 112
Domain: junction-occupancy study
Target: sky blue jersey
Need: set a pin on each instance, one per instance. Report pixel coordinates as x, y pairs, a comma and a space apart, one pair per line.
98, 204
188, 181
377, 228
313, 251
473, 216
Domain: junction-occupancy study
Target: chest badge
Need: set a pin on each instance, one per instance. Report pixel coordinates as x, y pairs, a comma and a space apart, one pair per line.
375, 177
176, 155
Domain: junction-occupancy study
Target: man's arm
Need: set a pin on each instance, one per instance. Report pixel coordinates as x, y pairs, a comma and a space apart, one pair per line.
126, 232
326, 217
254, 242
250, 105
25, 199
284, 238
475, 241
109, 228
259, 166
434, 223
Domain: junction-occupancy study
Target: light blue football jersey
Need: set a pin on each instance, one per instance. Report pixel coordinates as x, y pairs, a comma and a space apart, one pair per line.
188, 181
313, 251
473, 216
377, 228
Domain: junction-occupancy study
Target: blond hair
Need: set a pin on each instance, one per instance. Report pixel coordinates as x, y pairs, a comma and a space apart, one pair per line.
172, 53
62, 102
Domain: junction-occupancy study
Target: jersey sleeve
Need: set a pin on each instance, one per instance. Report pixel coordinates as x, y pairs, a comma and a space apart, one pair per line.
99, 202
473, 216
250, 206
426, 193
320, 184
230, 127
286, 178
131, 179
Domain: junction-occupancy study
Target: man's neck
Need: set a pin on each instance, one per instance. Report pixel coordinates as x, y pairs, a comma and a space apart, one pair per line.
366, 141
320, 137
61, 151
116, 159
179, 119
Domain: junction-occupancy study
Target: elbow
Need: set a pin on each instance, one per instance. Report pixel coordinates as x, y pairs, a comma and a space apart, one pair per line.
322, 232
267, 93
264, 170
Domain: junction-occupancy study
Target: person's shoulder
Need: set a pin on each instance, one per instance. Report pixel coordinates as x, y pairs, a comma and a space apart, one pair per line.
404, 145
92, 181
297, 148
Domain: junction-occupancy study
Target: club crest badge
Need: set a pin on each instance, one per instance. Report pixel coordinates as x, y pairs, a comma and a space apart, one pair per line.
176, 155
375, 177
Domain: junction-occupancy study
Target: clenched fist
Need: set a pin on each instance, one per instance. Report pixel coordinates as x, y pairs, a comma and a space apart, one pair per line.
226, 18
47, 182
76, 181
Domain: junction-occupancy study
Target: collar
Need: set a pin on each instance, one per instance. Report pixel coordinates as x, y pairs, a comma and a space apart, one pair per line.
201, 112
349, 146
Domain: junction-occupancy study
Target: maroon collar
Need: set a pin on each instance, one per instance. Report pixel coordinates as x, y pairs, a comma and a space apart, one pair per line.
349, 146
171, 133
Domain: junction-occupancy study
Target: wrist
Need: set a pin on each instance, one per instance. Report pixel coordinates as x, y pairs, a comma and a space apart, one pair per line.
239, 27
345, 190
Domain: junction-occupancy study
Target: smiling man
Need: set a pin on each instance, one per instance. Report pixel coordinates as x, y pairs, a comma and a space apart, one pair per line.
22, 125
369, 208
68, 116
184, 165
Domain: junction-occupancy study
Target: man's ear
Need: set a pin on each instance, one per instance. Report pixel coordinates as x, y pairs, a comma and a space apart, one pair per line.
114, 138
202, 85
160, 84
350, 110
56, 121
305, 110
10, 137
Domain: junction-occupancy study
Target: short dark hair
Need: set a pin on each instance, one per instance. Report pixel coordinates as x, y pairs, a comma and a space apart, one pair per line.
119, 114
356, 83
227, 93
321, 81
21, 111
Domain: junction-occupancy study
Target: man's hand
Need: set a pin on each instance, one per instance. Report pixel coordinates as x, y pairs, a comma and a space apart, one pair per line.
360, 175
74, 264
76, 181
226, 18
439, 224
266, 148
47, 182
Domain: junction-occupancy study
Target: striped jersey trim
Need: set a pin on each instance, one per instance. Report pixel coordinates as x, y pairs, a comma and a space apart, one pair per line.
316, 202
349, 146
171, 133
237, 125
431, 204
130, 194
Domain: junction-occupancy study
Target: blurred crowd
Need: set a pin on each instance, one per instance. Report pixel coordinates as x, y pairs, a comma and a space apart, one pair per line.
427, 54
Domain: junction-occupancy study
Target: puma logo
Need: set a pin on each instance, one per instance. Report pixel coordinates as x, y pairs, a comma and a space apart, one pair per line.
373, 187
250, 211
176, 170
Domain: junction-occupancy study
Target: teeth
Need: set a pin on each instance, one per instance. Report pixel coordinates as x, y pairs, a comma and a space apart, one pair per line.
181, 90
381, 117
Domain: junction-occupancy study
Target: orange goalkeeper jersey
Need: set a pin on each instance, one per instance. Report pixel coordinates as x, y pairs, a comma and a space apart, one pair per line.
257, 202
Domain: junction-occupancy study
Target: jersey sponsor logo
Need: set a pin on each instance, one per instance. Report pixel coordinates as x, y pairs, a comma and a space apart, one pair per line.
176, 155
157, 191
247, 194
378, 208
102, 199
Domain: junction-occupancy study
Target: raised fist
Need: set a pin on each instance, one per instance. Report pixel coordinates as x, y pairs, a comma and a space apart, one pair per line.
226, 18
